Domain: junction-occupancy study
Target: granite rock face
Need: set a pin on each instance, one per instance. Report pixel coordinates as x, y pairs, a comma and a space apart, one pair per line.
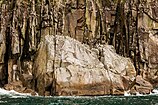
149, 57
78, 70
72, 68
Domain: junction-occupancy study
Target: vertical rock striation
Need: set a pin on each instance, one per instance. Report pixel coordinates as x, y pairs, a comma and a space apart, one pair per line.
130, 26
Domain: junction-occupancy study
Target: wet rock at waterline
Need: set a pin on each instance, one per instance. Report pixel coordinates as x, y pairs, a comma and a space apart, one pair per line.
68, 67
141, 86
18, 87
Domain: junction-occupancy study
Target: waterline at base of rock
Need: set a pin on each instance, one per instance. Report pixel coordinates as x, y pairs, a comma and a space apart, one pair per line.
81, 100
12, 93
154, 92
126, 93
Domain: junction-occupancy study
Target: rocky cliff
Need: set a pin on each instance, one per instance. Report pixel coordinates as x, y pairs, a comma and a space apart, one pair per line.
35, 49
65, 66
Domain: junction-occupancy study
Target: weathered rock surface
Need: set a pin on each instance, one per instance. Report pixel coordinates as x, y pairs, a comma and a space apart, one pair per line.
149, 57
18, 87
78, 70
141, 86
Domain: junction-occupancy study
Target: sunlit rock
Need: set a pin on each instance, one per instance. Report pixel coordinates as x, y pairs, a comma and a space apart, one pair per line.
78, 70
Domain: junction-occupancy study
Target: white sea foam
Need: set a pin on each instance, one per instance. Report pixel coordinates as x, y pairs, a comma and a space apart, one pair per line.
154, 92
126, 93
12, 93
138, 94
15, 94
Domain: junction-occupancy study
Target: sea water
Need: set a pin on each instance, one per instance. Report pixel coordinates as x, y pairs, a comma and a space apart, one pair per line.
14, 98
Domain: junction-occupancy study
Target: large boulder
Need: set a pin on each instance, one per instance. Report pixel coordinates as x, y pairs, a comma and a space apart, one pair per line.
79, 71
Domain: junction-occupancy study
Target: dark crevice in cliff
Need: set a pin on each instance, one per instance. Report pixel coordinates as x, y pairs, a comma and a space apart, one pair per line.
7, 55
25, 51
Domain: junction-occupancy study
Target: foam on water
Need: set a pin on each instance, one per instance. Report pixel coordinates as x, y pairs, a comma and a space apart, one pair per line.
17, 94
22, 99
12, 93
126, 93
154, 92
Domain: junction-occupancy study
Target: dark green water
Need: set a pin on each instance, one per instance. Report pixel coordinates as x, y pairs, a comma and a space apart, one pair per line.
104, 100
